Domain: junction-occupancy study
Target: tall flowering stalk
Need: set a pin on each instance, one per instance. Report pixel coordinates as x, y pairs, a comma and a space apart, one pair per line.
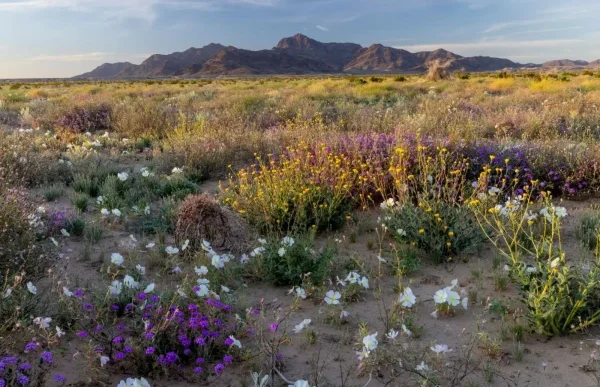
560, 295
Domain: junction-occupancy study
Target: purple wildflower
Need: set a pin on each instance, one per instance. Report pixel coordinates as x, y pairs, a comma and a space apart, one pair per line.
150, 350
31, 346
59, 378
219, 368
46, 357
119, 356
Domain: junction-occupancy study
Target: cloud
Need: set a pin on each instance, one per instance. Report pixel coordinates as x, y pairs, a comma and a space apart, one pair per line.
147, 10
322, 28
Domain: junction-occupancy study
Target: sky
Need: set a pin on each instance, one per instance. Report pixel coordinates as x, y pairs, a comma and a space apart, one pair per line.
63, 38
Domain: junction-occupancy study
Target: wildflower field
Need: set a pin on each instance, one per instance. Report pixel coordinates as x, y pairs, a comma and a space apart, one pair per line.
309, 231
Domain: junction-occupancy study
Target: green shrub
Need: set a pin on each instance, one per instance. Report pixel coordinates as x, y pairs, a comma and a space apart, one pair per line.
53, 192
93, 233
80, 201
588, 231
443, 231
19, 250
286, 261
76, 227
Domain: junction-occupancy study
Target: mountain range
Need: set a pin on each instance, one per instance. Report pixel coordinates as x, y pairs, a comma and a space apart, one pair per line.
300, 54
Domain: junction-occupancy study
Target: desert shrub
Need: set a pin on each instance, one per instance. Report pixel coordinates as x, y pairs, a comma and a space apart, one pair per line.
53, 192
400, 78
89, 118
140, 117
24, 161
588, 231
561, 297
427, 208
87, 184
93, 233
76, 227
441, 230
288, 261
436, 72
19, 252
201, 218
80, 202
302, 189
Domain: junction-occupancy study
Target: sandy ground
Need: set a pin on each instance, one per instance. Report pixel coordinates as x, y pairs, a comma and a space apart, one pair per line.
335, 347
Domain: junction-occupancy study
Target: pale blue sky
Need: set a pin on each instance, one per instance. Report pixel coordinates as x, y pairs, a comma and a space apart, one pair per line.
62, 38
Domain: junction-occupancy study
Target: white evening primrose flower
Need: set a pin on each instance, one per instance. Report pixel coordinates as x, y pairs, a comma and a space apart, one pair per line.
217, 262
130, 282
422, 367
555, 262
150, 288
364, 282
453, 298
244, 259
299, 383
560, 212
406, 331
225, 289
54, 241
203, 281
185, 245
31, 288
200, 271
202, 291
332, 297
301, 293
392, 334
344, 314
353, 277
141, 269
281, 251
440, 348
407, 298
67, 292
105, 212
116, 212
236, 342
42, 322
104, 360
150, 245
116, 259
64, 232
59, 332
123, 176
177, 171
262, 241
440, 297
370, 341
171, 250
530, 269
362, 354
115, 288
401, 232
465, 302
288, 241
147, 210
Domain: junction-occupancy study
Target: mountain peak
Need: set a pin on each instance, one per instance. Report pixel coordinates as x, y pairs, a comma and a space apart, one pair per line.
298, 54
